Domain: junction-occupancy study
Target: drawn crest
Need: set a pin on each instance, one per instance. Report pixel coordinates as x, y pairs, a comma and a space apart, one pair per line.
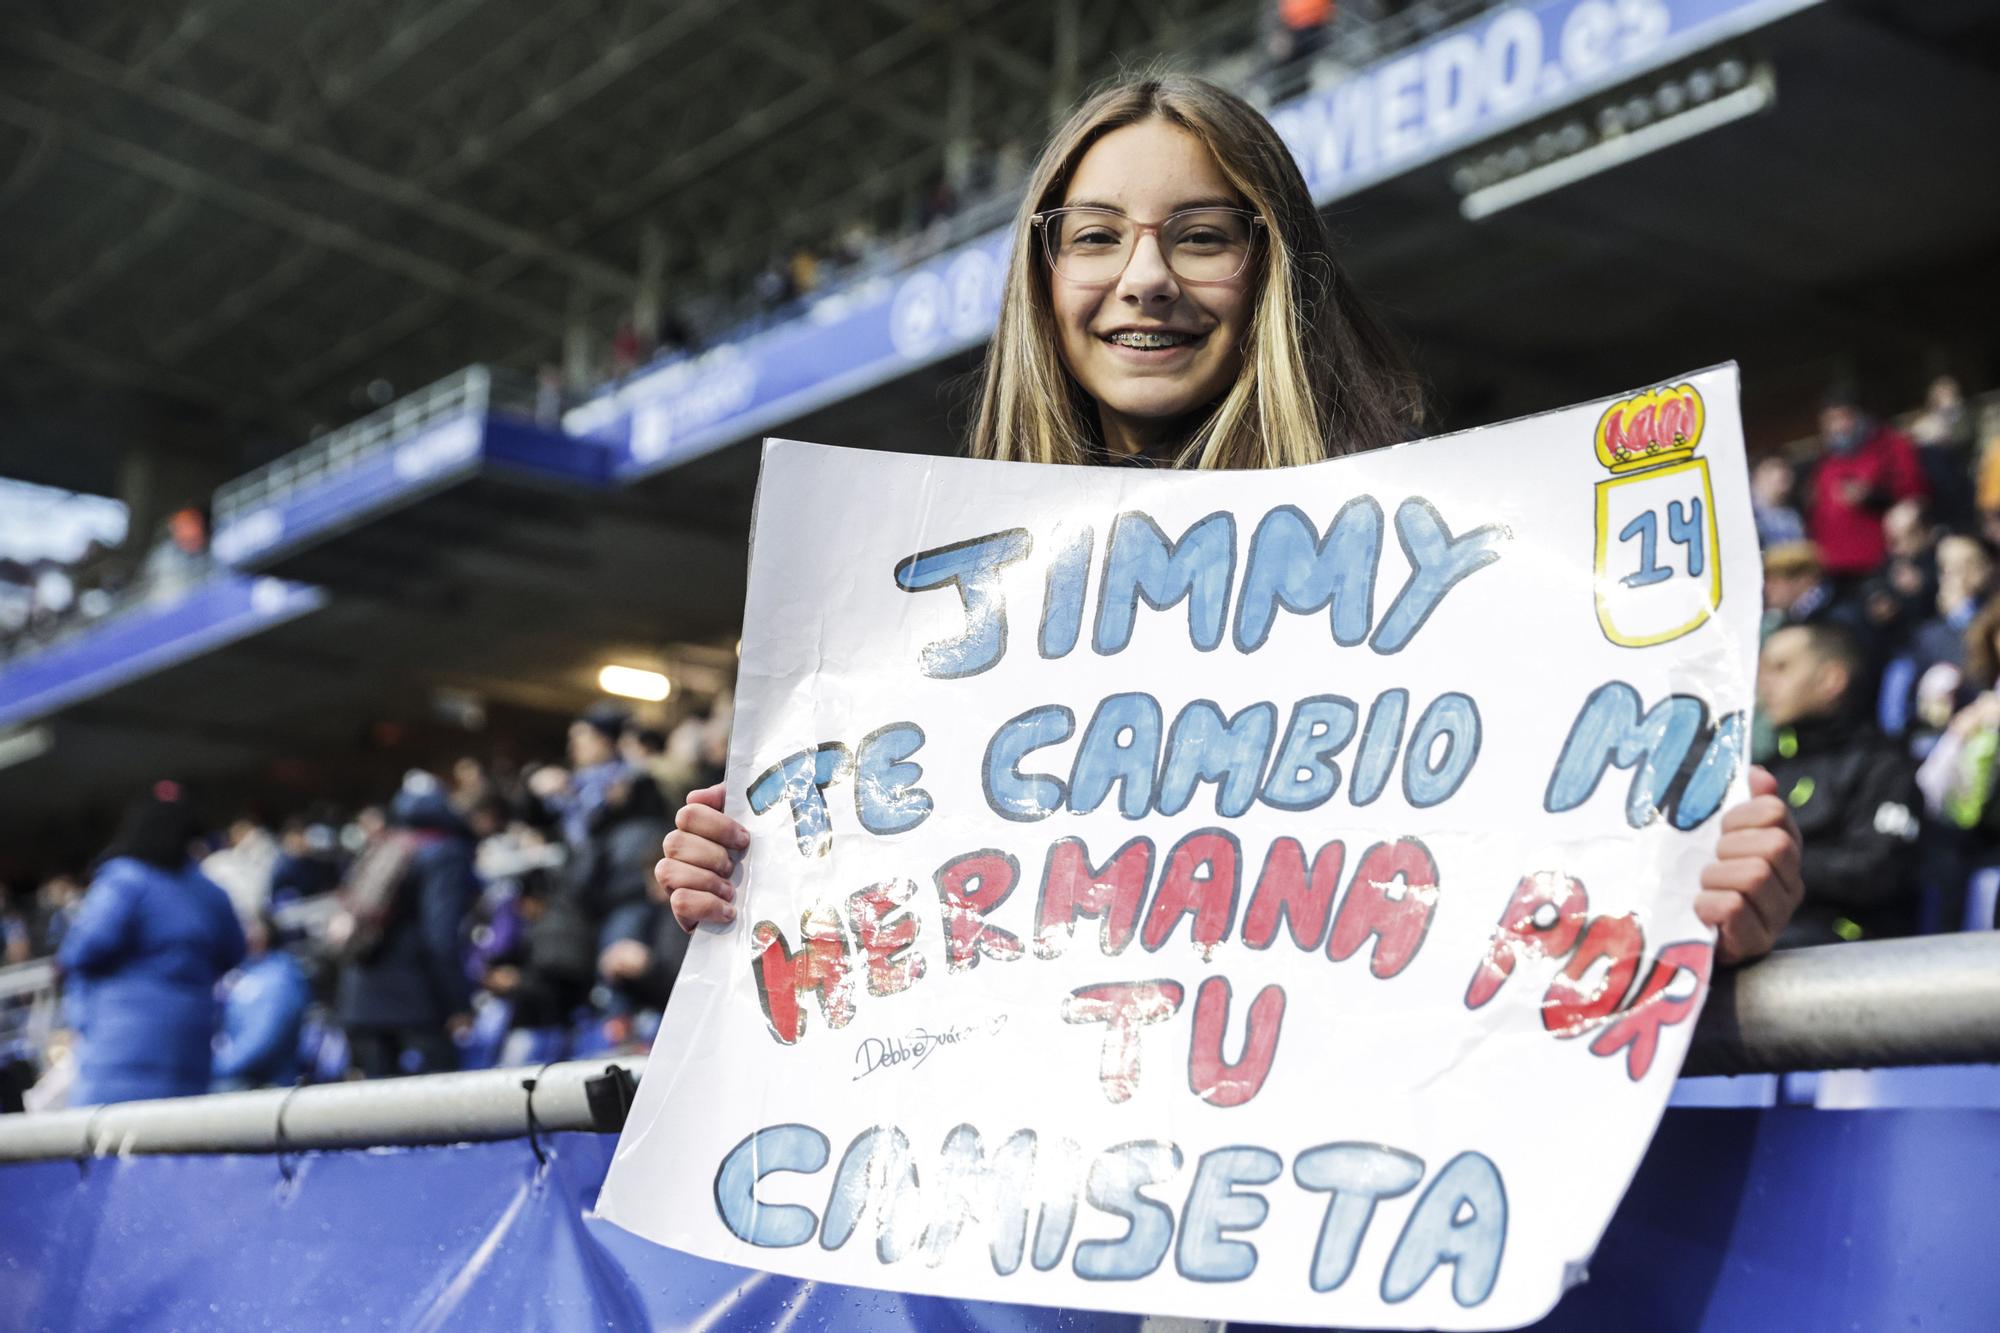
1658, 572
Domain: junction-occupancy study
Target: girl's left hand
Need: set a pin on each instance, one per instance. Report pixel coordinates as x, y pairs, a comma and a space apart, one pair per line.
1752, 887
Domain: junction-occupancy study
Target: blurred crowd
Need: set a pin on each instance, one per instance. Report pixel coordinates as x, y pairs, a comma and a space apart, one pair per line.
476, 917
42, 600
1877, 708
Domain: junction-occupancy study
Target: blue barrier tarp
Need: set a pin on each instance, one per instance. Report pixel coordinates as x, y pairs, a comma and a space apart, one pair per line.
1787, 1218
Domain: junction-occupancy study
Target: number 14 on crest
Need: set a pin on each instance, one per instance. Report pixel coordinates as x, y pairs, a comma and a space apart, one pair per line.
1657, 572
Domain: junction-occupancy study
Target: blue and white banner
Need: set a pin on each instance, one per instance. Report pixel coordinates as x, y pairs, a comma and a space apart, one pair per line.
148, 638
1508, 66
440, 454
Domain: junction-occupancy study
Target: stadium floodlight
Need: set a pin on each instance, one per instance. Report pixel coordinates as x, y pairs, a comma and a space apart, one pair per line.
634, 683
1630, 125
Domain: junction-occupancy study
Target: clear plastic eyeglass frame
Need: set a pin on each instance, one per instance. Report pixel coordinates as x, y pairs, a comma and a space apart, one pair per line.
1049, 224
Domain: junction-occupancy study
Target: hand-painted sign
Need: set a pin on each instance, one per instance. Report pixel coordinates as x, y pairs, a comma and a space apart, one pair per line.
1251, 895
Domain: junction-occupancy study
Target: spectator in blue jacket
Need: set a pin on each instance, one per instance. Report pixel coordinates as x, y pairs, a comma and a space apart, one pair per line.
142, 958
263, 1010
403, 1002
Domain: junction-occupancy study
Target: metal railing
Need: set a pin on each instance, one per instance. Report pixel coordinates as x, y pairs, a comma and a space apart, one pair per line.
473, 389
1931, 1000
148, 586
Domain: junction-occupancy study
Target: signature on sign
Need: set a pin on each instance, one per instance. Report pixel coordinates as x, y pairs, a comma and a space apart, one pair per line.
915, 1046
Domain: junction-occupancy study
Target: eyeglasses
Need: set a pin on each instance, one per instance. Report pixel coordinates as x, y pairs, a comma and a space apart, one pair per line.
1200, 245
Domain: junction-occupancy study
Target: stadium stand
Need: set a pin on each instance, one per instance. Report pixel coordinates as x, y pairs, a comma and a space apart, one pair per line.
476, 550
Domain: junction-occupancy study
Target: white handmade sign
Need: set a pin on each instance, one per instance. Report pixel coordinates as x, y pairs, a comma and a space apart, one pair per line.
1250, 895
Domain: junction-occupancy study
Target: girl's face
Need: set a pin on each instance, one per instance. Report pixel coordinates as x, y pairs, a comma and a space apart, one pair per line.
1146, 395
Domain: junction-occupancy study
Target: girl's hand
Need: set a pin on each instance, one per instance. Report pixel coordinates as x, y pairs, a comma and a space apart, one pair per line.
1752, 887
700, 854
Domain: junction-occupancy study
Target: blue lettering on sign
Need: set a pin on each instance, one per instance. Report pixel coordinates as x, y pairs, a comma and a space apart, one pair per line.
1304, 774
1116, 1186
774, 1148
886, 797
1019, 796
1355, 1176
973, 567
1021, 1202
877, 1176
1292, 566
1140, 562
1215, 1206
801, 780
1461, 1220
1682, 762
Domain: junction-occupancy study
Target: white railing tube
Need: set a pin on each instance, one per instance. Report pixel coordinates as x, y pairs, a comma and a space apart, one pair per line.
1931, 1000
438, 1108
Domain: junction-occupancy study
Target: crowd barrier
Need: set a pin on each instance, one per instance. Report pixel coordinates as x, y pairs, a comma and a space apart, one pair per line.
464, 1201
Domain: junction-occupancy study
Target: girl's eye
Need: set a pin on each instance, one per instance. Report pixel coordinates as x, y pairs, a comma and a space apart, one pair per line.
1204, 237
1096, 236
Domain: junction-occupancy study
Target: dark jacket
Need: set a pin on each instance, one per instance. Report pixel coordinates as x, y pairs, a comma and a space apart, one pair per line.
610, 873
142, 959
415, 977
1854, 795
557, 961
669, 945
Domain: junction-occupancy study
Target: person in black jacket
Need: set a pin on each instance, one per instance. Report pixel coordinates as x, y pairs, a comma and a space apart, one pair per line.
611, 875
1852, 791
647, 970
550, 970
405, 999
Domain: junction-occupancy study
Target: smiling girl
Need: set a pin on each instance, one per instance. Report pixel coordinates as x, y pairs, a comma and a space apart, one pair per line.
1172, 299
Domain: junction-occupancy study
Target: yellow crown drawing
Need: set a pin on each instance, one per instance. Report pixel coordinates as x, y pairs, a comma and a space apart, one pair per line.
1659, 426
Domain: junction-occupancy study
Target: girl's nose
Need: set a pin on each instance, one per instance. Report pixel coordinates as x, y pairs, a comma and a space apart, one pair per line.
1146, 276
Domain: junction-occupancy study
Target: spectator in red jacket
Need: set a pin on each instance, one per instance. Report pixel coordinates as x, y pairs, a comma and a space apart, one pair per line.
1865, 467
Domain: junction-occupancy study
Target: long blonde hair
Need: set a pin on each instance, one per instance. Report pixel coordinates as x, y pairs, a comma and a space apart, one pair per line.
1320, 376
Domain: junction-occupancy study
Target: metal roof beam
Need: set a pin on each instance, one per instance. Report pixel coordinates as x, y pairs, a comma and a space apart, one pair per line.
242, 303
337, 236
926, 127
114, 260
694, 160
687, 164
28, 168
368, 342
947, 22
345, 171
196, 22
112, 368
551, 104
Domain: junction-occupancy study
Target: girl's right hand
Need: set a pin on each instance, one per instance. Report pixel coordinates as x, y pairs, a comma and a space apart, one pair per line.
700, 854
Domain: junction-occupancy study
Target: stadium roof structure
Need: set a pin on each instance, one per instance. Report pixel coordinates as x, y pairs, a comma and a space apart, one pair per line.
223, 218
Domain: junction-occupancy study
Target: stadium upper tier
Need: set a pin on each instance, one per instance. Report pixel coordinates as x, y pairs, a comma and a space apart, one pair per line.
461, 539
1508, 68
